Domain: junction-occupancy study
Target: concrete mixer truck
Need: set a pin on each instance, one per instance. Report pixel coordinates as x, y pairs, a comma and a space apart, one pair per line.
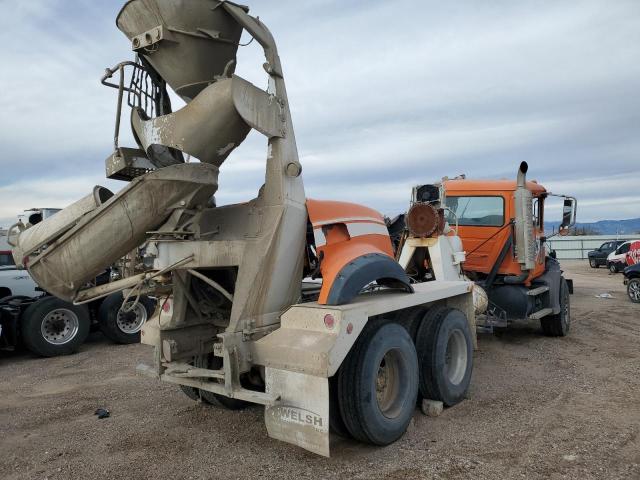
240, 317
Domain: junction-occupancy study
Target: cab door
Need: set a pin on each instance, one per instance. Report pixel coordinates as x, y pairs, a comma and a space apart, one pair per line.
482, 225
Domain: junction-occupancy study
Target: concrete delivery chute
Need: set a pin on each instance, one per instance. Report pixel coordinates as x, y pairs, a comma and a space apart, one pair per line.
243, 316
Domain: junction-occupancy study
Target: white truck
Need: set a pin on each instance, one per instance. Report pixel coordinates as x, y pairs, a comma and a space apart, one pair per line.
48, 326
14, 281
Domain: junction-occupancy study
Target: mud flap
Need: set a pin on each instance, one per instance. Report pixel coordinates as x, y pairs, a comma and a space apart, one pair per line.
301, 417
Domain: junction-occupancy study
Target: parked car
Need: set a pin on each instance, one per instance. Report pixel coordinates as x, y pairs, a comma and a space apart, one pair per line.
632, 281
617, 260
633, 256
599, 256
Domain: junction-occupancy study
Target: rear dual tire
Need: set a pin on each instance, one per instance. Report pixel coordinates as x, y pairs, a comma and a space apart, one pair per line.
122, 326
213, 399
445, 351
378, 384
373, 394
50, 327
213, 363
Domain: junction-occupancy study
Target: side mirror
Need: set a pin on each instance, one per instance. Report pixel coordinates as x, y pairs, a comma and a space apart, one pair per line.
568, 214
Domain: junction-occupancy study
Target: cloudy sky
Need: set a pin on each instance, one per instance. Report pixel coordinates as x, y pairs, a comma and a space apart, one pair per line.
384, 94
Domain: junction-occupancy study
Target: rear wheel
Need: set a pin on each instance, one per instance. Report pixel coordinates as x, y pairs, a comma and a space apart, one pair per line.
123, 323
445, 352
51, 327
191, 392
378, 384
213, 363
411, 320
336, 424
633, 290
558, 325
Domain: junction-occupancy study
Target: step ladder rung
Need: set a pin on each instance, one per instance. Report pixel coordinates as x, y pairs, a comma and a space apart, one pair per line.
540, 313
537, 291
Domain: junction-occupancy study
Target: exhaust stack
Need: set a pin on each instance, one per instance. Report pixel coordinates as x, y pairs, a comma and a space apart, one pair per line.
525, 235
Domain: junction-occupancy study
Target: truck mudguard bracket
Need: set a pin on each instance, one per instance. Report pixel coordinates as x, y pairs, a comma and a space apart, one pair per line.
360, 272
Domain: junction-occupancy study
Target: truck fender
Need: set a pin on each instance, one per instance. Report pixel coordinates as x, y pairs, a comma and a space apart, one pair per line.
354, 249
361, 271
552, 277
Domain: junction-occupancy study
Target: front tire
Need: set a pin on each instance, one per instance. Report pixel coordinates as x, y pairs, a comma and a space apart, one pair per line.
633, 290
121, 326
52, 327
593, 263
378, 384
558, 325
445, 351
613, 268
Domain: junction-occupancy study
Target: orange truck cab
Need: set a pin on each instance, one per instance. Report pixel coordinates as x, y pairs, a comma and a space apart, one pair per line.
484, 215
501, 225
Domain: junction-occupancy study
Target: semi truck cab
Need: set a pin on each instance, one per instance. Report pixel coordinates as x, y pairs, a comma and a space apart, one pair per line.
501, 225
484, 213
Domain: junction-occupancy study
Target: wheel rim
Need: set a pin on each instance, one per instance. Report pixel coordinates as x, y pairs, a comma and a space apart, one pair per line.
388, 384
634, 290
456, 357
131, 322
593, 263
612, 268
59, 326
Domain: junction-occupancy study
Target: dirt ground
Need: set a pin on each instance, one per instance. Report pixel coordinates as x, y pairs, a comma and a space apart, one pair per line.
538, 408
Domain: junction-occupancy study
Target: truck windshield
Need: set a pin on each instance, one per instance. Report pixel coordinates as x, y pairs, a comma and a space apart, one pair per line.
6, 260
476, 211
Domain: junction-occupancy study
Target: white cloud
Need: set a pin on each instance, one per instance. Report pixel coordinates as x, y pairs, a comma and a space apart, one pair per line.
384, 95
46, 193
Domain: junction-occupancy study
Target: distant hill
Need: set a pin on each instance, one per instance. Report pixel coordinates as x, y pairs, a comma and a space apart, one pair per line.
604, 227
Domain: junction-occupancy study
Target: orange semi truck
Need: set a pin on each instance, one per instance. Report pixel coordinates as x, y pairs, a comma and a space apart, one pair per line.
501, 225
